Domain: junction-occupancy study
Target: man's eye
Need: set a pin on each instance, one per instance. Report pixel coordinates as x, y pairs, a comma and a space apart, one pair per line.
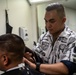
52, 21
46, 21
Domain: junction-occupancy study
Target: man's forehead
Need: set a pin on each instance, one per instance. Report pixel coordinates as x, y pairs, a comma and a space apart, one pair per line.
49, 19
50, 16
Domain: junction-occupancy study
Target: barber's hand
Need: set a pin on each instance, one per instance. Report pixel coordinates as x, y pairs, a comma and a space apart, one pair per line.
29, 63
29, 56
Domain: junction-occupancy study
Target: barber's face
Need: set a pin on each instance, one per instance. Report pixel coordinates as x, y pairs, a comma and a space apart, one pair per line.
53, 22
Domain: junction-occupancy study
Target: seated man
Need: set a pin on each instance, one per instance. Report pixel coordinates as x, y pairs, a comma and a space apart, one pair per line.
12, 50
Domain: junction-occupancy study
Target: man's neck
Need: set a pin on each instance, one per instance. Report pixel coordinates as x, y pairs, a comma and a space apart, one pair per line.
17, 66
56, 35
12, 65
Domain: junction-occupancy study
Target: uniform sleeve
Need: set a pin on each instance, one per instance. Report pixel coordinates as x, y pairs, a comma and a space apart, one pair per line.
37, 50
40, 46
69, 58
70, 52
43, 47
70, 65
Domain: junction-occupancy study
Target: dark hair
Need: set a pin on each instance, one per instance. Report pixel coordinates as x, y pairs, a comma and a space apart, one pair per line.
58, 7
13, 44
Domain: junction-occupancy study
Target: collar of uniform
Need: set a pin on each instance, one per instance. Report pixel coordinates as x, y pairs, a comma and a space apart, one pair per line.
21, 65
65, 31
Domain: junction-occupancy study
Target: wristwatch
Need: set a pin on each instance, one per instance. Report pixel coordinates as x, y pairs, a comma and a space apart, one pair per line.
38, 66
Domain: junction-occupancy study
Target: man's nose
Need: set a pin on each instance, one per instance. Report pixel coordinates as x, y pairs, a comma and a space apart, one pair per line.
49, 24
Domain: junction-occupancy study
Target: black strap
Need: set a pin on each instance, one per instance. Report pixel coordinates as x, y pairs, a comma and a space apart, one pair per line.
38, 66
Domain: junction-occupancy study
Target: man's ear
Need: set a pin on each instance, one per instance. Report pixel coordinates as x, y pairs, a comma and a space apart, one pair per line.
5, 60
64, 19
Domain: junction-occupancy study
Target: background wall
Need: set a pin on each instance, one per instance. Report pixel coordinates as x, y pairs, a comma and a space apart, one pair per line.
20, 15
71, 18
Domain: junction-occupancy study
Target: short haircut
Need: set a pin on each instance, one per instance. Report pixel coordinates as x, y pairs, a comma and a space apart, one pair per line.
58, 7
13, 45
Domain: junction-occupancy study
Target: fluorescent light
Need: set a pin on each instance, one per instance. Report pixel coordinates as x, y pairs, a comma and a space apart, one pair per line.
37, 1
